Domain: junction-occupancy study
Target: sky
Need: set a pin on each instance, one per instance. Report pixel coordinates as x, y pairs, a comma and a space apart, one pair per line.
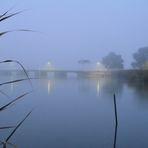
70, 30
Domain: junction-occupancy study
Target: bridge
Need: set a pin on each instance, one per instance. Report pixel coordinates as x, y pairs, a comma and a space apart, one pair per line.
130, 74
54, 73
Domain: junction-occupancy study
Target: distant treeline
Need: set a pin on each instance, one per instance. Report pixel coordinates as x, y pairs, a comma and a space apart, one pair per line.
130, 75
115, 61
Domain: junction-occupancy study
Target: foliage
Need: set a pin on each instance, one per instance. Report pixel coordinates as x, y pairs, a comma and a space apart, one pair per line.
84, 61
113, 61
141, 58
6, 15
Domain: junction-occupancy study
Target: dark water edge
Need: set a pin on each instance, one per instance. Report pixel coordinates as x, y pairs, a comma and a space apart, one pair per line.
79, 113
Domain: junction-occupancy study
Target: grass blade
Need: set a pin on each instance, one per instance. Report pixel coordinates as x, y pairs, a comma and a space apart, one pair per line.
11, 144
7, 143
14, 61
6, 12
11, 134
115, 110
13, 81
3, 93
4, 17
6, 127
116, 121
13, 101
19, 30
3, 33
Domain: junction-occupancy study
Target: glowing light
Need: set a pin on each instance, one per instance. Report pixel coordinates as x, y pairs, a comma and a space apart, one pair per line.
48, 66
98, 87
99, 66
98, 63
49, 87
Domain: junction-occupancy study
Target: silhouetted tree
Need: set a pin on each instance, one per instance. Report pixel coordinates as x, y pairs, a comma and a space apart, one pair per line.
113, 61
141, 58
84, 62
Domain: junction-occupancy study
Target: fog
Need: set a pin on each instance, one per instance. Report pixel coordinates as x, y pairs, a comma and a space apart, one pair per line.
70, 30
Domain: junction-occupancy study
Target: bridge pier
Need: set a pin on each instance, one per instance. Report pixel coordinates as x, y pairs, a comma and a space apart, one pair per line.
43, 74
20, 73
83, 74
60, 74
36, 74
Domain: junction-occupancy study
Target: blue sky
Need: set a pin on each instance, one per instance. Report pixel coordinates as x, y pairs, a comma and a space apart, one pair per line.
69, 30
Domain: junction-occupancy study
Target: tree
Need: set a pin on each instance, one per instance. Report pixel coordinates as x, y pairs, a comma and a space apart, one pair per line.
141, 58
84, 62
113, 61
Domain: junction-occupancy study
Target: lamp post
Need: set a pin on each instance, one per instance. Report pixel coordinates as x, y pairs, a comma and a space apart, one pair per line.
98, 66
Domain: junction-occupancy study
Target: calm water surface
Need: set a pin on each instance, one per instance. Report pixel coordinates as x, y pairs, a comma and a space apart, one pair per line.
77, 113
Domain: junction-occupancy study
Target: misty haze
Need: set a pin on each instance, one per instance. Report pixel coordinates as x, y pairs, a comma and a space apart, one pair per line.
74, 74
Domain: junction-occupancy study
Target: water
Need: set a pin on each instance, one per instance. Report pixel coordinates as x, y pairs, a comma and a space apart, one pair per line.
77, 113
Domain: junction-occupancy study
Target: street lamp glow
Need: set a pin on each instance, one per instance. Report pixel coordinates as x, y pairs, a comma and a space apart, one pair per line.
98, 63
99, 66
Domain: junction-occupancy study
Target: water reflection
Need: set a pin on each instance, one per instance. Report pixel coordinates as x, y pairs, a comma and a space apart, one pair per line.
115, 136
85, 85
140, 89
49, 87
70, 121
109, 86
98, 87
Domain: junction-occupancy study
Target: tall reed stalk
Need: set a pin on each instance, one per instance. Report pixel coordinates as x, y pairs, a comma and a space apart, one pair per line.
116, 121
3, 17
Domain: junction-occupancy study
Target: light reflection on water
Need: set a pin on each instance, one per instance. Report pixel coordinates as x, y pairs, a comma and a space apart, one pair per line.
79, 113
49, 86
98, 87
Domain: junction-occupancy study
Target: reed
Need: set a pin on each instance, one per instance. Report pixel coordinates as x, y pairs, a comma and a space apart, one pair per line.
25, 71
115, 110
6, 141
6, 127
116, 122
3, 17
13, 101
